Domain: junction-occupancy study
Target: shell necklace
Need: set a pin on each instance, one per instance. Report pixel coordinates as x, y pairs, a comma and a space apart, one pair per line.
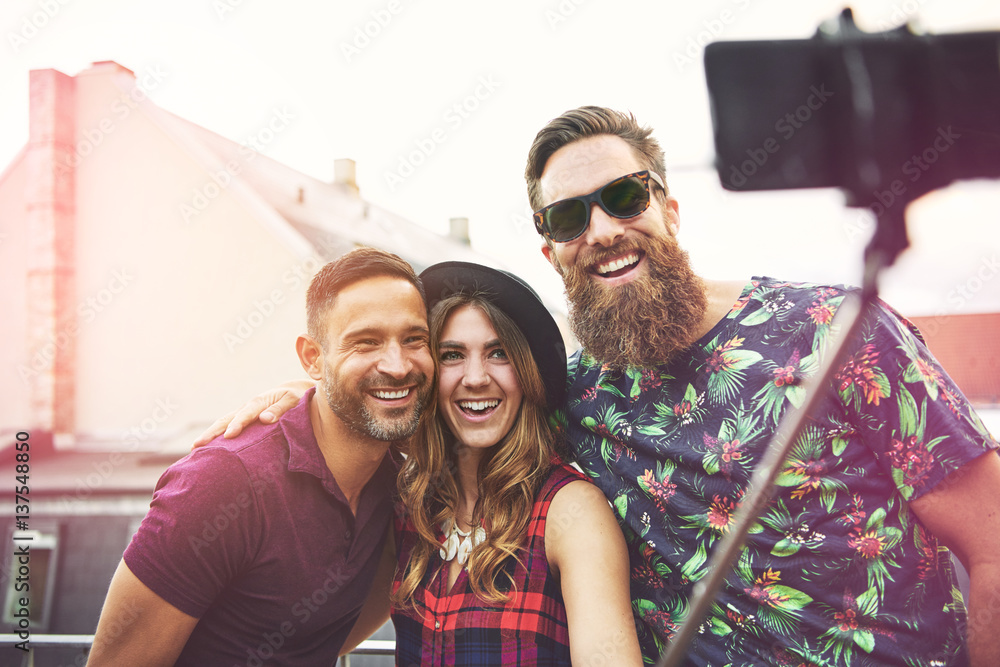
459, 543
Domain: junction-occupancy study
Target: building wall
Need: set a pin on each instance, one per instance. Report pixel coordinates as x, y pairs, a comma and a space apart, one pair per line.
14, 414
157, 294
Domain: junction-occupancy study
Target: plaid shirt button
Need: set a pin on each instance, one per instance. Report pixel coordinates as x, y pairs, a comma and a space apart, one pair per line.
437, 625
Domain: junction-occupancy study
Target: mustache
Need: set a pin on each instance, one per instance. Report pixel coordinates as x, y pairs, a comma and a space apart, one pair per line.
377, 380
593, 256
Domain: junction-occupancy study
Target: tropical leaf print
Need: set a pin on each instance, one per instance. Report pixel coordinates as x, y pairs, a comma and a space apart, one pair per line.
773, 303
742, 626
614, 430
808, 469
650, 380
727, 453
786, 384
694, 568
725, 367
873, 545
654, 577
796, 652
821, 313
839, 434
779, 606
861, 381
743, 300
662, 620
716, 521
855, 625
621, 504
796, 531
912, 459
664, 418
580, 362
922, 370
714, 625
658, 486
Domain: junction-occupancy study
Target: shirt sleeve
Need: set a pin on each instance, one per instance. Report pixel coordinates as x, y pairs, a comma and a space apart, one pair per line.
200, 531
910, 413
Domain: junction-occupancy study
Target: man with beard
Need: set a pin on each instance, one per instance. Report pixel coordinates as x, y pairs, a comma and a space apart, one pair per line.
262, 549
677, 392
675, 395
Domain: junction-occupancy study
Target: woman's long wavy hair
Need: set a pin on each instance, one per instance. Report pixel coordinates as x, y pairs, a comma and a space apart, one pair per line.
510, 474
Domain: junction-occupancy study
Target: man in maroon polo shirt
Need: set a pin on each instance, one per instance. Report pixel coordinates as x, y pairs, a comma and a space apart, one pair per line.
262, 549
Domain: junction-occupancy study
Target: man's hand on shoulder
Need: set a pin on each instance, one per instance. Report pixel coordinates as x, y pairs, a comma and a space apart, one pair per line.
266, 407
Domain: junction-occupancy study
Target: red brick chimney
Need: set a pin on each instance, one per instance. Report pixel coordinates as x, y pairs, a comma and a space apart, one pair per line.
51, 285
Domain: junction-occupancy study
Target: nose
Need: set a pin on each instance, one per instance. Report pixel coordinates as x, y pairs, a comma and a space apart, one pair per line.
475, 375
394, 361
603, 230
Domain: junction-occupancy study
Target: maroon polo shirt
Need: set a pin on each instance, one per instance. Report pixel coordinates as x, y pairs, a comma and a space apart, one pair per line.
254, 537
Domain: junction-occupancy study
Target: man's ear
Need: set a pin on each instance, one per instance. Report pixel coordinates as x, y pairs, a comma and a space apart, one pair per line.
671, 214
547, 251
550, 255
310, 356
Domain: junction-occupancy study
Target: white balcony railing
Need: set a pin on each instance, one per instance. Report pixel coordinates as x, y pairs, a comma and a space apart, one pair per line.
38, 641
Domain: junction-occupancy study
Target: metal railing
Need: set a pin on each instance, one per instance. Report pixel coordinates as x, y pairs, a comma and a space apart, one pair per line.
367, 647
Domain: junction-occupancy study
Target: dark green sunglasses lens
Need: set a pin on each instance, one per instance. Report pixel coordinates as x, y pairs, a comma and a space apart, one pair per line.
625, 198
566, 220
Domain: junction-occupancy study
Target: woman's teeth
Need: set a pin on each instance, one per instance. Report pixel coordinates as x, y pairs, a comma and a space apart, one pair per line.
478, 406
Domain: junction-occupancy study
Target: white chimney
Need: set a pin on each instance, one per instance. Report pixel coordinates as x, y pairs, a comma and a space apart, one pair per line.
345, 173
458, 229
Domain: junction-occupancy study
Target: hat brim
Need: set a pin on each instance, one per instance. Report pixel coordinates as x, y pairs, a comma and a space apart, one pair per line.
519, 302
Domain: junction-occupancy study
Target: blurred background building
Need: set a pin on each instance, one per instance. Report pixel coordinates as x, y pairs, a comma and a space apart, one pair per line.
158, 275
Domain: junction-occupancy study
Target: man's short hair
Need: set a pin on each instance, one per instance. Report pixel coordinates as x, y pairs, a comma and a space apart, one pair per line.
584, 122
358, 264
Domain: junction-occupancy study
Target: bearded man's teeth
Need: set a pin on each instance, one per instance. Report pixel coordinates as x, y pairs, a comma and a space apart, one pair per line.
478, 405
388, 395
631, 258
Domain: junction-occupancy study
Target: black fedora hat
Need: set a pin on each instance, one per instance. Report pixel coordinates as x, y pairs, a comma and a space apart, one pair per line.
519, 302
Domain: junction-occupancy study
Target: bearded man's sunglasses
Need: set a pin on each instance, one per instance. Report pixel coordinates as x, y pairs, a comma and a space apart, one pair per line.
624, 197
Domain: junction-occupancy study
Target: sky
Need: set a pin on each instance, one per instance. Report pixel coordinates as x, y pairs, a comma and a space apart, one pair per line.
438, 101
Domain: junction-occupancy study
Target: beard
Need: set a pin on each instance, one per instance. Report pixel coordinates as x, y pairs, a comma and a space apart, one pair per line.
645, 322
395, 424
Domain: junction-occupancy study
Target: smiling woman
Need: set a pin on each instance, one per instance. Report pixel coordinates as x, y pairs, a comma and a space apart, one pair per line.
506, 554
478, 391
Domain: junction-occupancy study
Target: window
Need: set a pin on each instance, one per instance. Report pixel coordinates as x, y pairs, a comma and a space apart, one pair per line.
31, 578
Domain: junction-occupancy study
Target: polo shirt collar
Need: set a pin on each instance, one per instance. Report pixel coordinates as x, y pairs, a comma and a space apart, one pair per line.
304, 454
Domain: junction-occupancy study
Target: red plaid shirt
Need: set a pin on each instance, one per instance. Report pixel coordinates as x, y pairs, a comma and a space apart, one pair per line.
458, 628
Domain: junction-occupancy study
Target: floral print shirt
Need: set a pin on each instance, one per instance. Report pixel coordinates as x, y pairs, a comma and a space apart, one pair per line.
837, 570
